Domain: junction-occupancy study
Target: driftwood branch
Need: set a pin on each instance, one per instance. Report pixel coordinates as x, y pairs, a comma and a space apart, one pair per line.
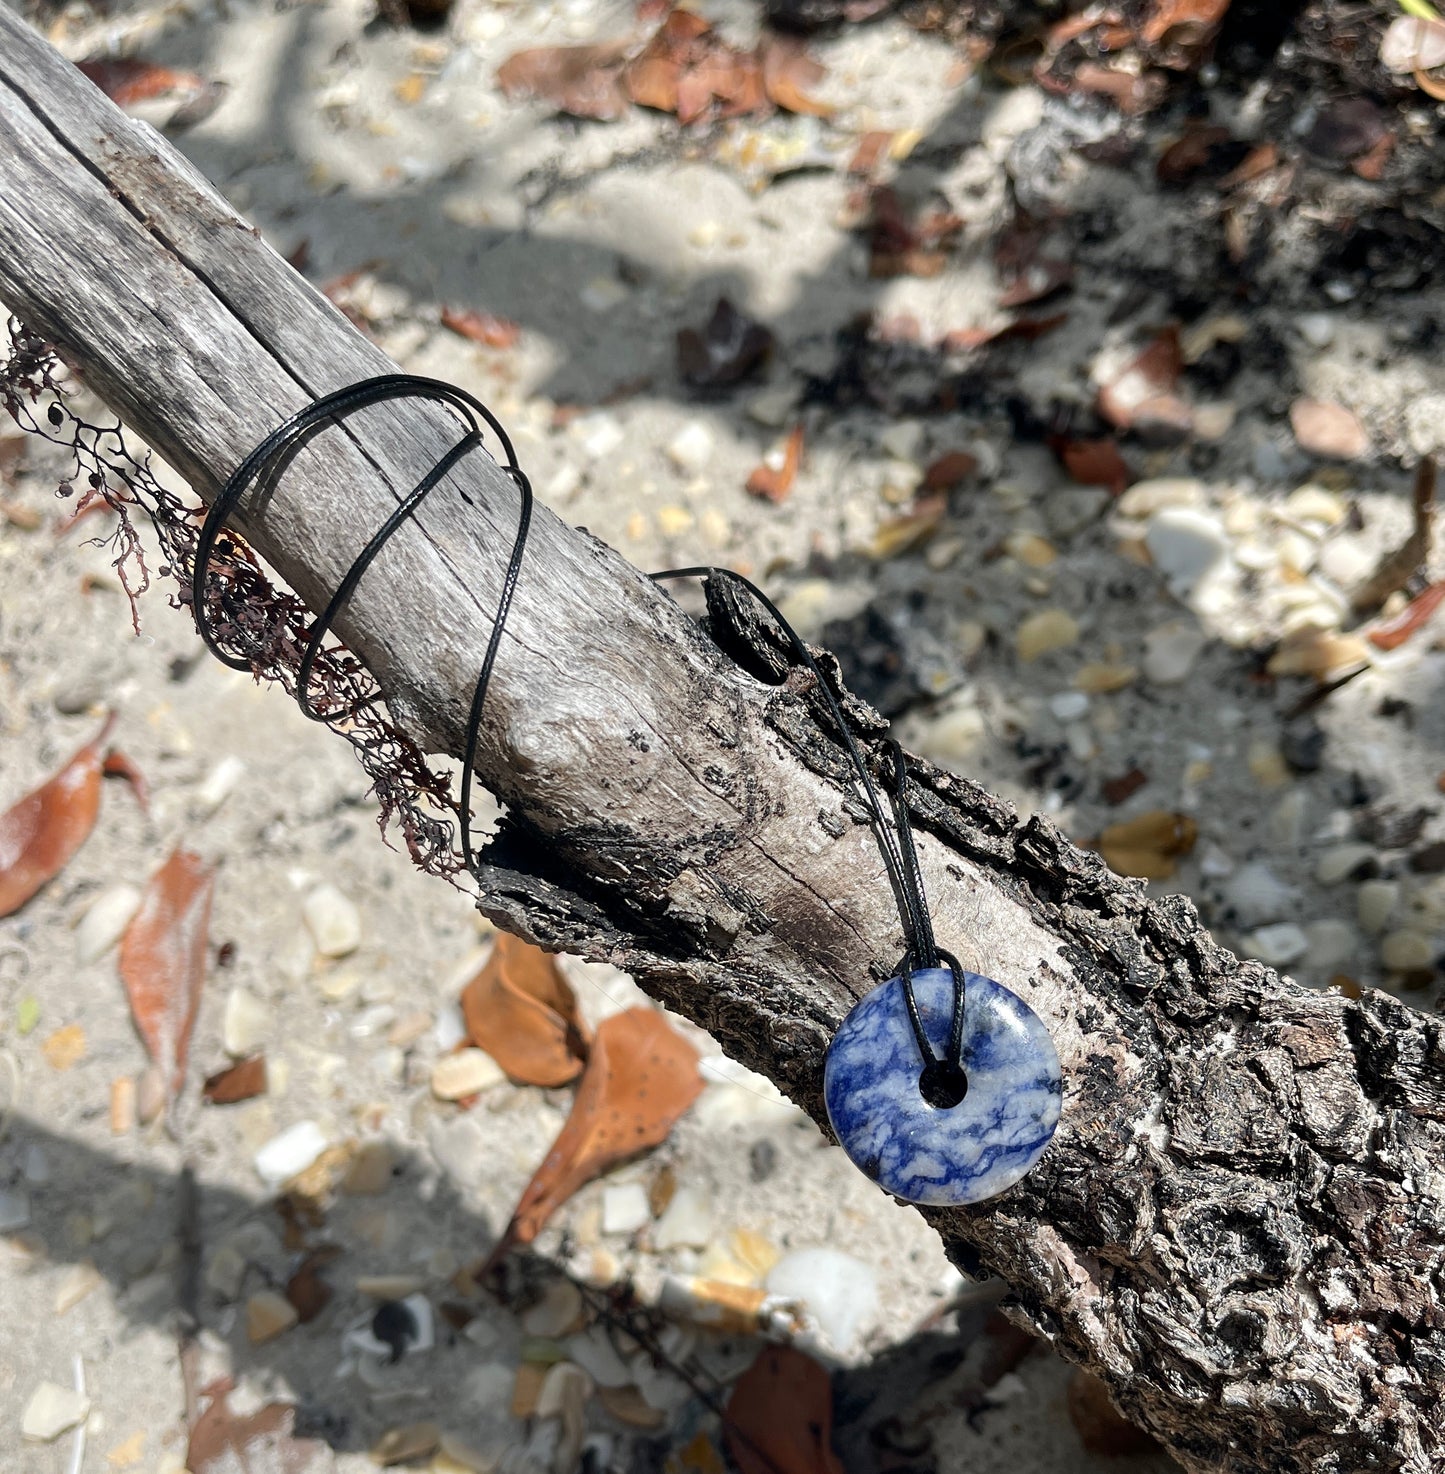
1241, 1222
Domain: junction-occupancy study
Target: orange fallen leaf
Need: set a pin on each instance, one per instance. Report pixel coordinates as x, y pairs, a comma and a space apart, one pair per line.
1394, 632
241, 1081
641, 1077
773, 483
522, 1011
585, 81
780, 1416
40, 834
263, 1442
1149, 846
163, 961
481, 327
129, 80
788, 73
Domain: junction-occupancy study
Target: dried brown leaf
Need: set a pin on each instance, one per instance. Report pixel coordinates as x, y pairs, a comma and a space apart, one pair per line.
522, 1011
481, 327
641, 1076
1143, 395
1094, 463
902, 534
1394, 632
780, 1416
951, 469
163, 961
1149, 846
241, 1081
263, 1442
789, 73
1398, 565
129, 80
774, 483
585, 81
40, 834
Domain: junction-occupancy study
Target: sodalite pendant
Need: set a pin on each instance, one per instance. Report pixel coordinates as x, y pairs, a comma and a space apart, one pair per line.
964, 1153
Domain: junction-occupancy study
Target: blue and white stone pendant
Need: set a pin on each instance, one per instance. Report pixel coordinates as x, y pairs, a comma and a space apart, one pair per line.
948, 1154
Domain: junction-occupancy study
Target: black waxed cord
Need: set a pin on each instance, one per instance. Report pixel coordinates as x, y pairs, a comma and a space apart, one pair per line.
894, 833
895, 842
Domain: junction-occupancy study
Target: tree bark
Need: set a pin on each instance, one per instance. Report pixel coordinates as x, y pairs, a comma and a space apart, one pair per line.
1240, 1223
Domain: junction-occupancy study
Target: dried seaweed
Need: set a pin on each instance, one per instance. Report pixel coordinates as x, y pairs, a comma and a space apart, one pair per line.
245, 608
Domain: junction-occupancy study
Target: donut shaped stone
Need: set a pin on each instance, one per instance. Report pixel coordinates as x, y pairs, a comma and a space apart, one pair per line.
958, 1154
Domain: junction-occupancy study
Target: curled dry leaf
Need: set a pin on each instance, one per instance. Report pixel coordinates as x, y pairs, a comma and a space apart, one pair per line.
163, 961
902, 534
780, 1416
1149, 846
774, 482
585, 81
241, 1081
40, 834
728, 350
130, 81
641, 1077
522, 1011
1394, 632
481, 327
1398, 565
789, 74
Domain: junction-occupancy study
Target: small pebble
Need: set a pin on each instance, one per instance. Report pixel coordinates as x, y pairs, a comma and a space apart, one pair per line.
903, 440
624, 1208
1375, 903
369, 1172
226, 1272
1042, 633
1097, 679
1407, 951
289, 1153
1311, 503
1030, 549
467, 1072
78, 1281
691, 449
333, 921
14, 1209
105, 921
389, 1286
1257, 895
1343, 862
246, 1023
1074, 508
1267, 765
1145, 498
762, 1160
1326, 429
1186, 546
406, 1444
594, 1352
51, 1411
688, 1222
1332, 943
219, 784
1278, 945
556, 1313
1069, 706
1316, 328
839, 1291
773, 407
268, 1314
150, 1095
1171, 651
1302, 744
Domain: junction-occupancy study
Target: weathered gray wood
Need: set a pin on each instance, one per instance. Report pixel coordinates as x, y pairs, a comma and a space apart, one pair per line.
1241, 1223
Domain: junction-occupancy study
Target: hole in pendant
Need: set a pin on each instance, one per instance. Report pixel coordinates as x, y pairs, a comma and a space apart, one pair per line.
942, 1084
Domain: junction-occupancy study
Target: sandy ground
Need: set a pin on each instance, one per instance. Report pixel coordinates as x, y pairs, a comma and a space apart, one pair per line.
392, 151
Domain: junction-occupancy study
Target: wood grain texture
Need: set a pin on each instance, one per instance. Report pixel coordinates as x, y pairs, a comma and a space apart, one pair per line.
1241, 1223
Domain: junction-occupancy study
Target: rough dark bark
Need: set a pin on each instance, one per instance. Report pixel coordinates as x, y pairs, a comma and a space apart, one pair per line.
1241, 1222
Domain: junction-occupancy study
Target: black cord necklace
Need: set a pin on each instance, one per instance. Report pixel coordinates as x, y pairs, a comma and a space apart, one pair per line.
950, 1103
